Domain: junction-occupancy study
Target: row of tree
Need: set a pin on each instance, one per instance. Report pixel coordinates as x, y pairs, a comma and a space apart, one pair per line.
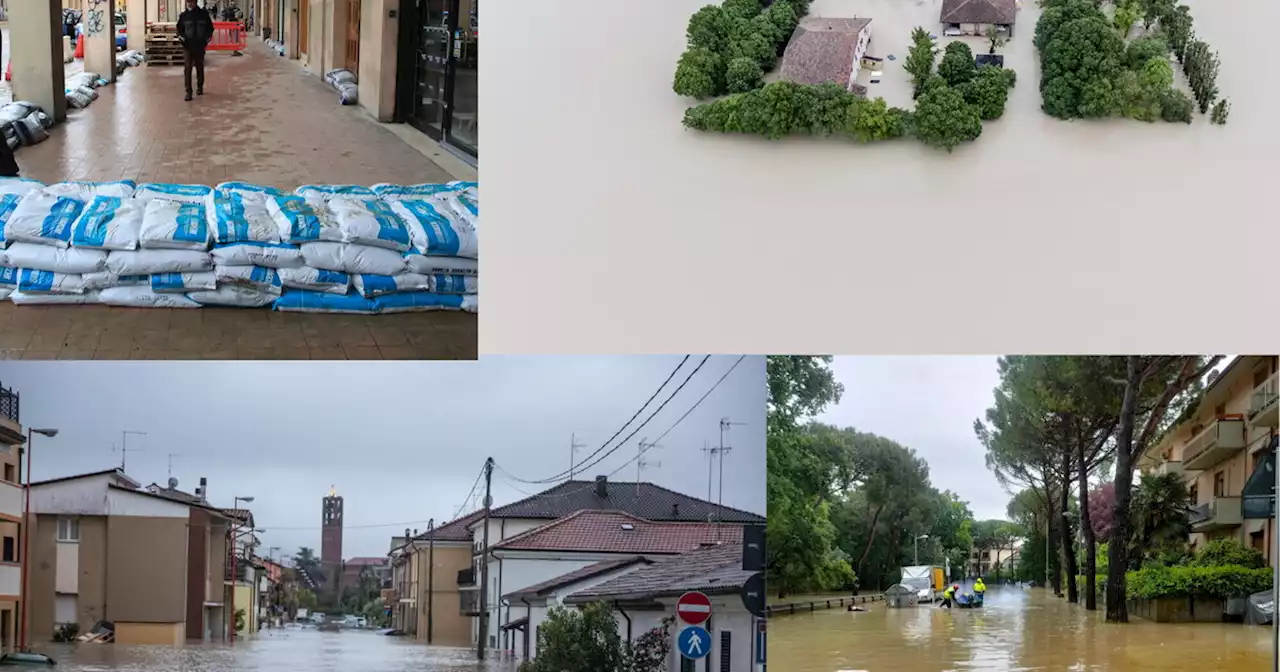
731, 46
848, 508
1058, 421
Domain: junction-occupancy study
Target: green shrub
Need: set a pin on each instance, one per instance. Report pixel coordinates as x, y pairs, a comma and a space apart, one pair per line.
1197, 581
784, 108
1224, 552
1144, 49
744, 9
784, 17
708, 29
743, 74
1220, 112
942, 118
988, 91
873, 120
700, 74
957, 66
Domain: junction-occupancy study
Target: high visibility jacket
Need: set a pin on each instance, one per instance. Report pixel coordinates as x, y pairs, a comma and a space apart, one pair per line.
979, 587
948, 593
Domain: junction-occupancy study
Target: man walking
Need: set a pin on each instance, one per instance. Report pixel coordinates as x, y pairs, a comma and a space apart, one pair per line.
195, 30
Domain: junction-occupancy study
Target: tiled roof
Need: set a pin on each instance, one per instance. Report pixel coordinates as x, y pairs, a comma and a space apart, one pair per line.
644, 500
713, 570
616, 532
454, 530
242, 515
979, 11
822, 50
578, 575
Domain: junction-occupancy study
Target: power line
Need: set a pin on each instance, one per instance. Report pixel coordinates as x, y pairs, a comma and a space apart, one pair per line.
611, 451
471, 494
621, 429
641, 453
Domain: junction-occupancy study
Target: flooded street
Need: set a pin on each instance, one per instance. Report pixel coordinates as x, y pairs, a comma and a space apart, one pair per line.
1018, 630
278, 650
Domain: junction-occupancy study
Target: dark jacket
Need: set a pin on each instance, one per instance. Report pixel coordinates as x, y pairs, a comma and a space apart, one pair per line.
195, 28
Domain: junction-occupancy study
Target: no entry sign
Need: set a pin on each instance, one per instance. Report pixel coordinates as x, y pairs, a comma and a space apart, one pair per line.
693, 608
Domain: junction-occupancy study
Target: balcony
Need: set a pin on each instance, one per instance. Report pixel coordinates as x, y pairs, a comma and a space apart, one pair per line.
242, 569
10, 426
10, 500
1218, 513
1223, 438
466, 578
1262, 408
469, 603
1168, 467
10, 579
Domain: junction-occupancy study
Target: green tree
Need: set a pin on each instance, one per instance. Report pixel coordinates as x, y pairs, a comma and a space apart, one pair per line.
306, 599
572, 640
799, 387
700, 73
1175, 106
1220, 112
1127, 13
1161, 504
1155, 10
1201, 67
919, 61
874, 120
943, 118
743, 74
957, 65
995, 39
742, 9
1178, 26
1156, 391
1144, 49
988, 91
1080, 65
709, 29
651, 650
306, 561
1060, 13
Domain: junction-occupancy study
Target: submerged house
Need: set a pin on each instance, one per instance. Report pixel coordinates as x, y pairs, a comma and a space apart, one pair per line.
825, 50
975, 17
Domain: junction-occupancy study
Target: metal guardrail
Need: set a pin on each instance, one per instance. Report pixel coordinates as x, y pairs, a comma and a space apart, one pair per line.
814, 605
9, 403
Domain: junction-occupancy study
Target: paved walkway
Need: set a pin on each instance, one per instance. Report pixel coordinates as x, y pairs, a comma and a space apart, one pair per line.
261, 120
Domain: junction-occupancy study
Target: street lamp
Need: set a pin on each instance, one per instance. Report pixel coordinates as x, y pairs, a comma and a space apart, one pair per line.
235, 505
26, 533
917, 545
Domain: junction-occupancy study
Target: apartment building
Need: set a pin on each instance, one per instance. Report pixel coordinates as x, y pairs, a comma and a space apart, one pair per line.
987, 562
428, 573
104, 549
1221, 443
11, 441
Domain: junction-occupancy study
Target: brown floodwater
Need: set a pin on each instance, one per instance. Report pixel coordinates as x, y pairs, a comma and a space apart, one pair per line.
277, 651
1018, 630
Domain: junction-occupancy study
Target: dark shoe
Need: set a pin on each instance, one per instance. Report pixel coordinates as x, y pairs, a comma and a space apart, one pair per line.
188, 96
199, 92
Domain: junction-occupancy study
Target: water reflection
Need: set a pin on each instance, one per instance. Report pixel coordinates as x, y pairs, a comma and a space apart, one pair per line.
1018, 630
276, 651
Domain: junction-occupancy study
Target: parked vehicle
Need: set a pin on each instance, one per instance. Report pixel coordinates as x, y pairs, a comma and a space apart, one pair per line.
925, 580
122, 31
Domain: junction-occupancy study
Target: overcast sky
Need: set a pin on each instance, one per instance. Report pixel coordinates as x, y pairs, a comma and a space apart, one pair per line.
401, 442
929, 404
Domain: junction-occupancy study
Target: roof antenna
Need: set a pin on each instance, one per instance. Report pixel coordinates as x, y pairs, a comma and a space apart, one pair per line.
573, 452
642, 464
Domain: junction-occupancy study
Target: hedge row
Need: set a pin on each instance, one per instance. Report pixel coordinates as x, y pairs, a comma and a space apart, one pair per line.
1190, 581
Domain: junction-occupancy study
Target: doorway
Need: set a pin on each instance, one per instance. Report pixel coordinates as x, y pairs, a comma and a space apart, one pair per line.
304, 21
438, 82
353, 38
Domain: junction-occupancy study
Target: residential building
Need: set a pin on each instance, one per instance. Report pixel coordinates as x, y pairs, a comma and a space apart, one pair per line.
427, 572
976, 17
12, 439
984, 562
512, 566
244, 572
1218, 445
643, 598
102, 549
827, 51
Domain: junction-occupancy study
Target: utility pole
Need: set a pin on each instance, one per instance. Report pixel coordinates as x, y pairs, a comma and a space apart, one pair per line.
573, 452
725, 425
481, 641
642, 464
124, 445
431, 572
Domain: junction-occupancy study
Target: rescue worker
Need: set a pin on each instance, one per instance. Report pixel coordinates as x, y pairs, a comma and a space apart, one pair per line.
949, 596
979, 590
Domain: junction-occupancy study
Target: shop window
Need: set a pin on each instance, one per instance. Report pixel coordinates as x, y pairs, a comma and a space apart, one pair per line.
68, 529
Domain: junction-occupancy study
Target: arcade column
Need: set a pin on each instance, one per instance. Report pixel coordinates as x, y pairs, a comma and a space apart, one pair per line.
100, 39
35, 30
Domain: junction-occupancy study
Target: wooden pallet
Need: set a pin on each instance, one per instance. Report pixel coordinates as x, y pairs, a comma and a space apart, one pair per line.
166, 59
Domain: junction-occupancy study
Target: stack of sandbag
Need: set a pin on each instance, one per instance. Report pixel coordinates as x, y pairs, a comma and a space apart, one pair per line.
23, 123
12, 191
442, 222
247, 253
344, 81
40, 233
130, 58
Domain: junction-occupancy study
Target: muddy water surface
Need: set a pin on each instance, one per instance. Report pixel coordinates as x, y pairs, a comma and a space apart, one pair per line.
279, 650
1019, 630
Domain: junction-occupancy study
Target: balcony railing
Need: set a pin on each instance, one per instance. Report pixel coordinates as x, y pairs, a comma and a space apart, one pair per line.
9, 403
466, 577
1168, 467
1216, 514
241, 570
1263, 408
11, 500
10, 578
470, 603
1223, 438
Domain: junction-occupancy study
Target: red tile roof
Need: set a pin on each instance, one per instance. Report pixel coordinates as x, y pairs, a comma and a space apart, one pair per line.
590, 571
713, 570
615, 532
